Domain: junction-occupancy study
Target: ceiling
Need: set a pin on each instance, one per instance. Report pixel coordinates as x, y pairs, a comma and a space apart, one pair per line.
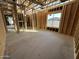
35, 4
31, 4
38, 4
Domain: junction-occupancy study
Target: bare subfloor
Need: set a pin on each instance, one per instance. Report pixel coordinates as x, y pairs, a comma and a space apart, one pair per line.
39, 45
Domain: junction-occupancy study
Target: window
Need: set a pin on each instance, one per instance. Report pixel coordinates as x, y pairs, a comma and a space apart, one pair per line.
53, 20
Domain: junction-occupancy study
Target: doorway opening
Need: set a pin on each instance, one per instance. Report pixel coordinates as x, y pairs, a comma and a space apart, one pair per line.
9, 23
29, 23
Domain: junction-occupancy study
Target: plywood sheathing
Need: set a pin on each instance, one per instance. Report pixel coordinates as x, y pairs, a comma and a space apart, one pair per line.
41, 20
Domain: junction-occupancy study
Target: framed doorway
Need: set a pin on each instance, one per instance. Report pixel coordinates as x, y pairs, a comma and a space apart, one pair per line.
29, 23
9, 23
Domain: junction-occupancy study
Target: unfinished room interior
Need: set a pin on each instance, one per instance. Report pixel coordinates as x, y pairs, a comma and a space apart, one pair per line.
39, 29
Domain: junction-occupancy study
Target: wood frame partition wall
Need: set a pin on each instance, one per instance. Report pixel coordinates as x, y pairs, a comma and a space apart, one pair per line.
4, 13
28, 22
34, 21
21, 21
76, 42
69, 18
2, 35
15, 17
4, 18
13, 9
41, 20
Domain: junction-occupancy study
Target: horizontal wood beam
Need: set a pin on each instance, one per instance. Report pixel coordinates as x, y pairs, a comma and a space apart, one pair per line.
3, 2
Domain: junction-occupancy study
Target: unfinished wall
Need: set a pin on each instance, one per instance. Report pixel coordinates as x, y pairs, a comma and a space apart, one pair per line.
76, 39
38, 20
41, 20
2, 36
15, 18
69, 18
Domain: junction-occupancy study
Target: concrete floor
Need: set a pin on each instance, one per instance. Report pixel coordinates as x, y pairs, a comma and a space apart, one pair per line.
39, 45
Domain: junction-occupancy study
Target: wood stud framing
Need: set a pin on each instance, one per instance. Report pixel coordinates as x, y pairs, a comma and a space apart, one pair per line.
70, 24
69, 20
21, 21
76, 39
2, 35
15, 19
